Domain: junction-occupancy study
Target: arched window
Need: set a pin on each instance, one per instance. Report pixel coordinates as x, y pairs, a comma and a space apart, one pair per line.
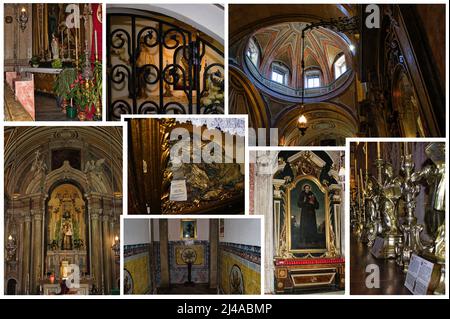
312, 78
280, 73
340, 66
253, 52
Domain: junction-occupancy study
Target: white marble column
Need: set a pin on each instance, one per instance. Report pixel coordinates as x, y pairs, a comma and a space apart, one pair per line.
266, 165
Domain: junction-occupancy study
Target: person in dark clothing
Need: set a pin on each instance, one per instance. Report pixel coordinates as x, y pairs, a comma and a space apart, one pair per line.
308, 204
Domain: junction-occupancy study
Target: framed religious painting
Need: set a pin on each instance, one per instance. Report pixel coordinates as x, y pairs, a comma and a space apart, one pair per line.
308, 220
188, 229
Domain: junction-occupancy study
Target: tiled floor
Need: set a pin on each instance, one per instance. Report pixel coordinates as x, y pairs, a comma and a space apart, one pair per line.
392, 278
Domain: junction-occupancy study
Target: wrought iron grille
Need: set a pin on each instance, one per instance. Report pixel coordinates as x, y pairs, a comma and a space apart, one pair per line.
142, 80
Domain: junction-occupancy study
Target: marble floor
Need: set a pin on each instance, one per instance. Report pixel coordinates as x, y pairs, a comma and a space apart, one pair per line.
392, 278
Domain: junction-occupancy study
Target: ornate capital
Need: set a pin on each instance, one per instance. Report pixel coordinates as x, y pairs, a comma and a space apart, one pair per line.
266, 162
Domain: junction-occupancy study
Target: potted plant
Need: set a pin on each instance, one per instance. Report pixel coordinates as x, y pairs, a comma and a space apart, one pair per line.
62, 89
34, 61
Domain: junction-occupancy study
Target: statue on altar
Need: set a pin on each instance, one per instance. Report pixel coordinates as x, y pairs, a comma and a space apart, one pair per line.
66, 225
55, 47
391, 196
67, 234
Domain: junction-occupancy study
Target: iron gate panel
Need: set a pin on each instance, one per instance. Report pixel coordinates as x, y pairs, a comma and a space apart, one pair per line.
135, 74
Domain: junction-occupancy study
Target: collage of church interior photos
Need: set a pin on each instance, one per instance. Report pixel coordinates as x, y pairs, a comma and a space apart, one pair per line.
224, 149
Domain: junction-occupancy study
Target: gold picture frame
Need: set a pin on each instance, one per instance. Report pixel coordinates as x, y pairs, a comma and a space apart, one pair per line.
188, 229
321, 194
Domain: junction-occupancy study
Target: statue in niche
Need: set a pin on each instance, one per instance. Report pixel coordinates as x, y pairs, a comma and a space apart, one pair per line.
67, 243
55, 47
66, 224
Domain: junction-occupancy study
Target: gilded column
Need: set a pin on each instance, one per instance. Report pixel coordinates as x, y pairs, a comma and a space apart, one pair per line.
37, 251
95, 246
115, 272
107, 243
26, 254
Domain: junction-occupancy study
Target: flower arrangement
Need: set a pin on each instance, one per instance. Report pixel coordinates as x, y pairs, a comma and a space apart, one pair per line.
85, 92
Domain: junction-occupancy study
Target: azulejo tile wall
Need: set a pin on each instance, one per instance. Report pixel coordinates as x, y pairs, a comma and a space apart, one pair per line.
239, 269
200, 268
137, 263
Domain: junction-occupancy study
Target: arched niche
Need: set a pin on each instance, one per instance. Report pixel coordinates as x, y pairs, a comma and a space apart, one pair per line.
66, 227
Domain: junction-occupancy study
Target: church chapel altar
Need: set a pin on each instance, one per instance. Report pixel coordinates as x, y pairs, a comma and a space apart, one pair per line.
53, 61
63, 200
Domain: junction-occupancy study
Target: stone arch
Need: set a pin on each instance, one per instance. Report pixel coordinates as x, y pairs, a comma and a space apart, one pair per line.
326, 120
244, 98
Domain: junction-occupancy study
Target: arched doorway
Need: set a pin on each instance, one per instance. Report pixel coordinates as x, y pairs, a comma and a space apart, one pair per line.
11, 287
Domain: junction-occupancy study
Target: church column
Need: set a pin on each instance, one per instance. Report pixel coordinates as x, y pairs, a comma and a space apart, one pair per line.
37, 250
164, 252
96, 270
266, 165
26, 254
114, 261
107, 243
213, 249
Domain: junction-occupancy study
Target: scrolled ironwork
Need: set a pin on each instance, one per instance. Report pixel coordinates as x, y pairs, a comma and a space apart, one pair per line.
120, 107
151, 34
138, 56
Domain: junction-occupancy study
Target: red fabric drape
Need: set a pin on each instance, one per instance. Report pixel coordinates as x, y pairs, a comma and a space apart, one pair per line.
97, 26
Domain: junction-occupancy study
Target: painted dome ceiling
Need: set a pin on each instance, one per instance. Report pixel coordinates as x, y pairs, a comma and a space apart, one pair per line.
282, 42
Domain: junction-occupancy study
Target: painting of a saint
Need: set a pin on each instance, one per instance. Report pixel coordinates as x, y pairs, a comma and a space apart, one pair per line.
308, 221
308, 204
188, 229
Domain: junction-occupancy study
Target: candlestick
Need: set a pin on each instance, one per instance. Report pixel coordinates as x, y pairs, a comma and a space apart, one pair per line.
405, 149
68, 42
363, 195
96, 49
356, 169
76, 47
362, 181
378, 150
367, 156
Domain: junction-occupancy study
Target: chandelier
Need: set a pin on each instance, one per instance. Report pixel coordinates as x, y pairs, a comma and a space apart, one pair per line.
342, 24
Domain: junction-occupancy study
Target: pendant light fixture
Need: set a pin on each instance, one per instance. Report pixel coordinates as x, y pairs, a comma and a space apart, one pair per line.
302, 122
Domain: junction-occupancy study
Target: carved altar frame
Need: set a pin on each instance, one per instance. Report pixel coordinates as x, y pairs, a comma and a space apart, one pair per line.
289, 188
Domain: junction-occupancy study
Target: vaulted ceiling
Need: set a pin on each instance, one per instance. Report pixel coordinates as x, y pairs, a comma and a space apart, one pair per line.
282, 42
22, 143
